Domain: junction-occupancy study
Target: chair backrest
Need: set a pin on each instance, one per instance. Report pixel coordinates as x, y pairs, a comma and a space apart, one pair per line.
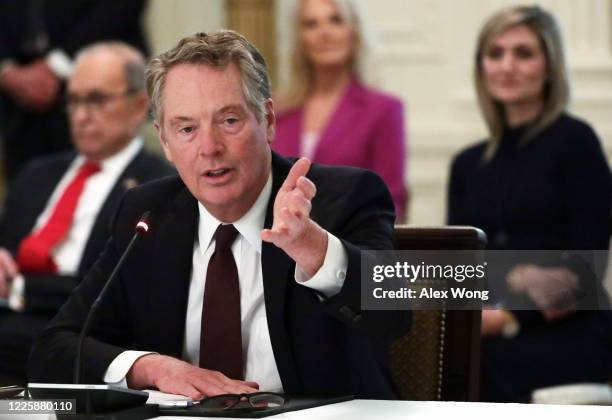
439, 359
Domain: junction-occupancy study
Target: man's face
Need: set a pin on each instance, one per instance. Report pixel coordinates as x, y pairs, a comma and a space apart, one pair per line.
208, 131
103, 119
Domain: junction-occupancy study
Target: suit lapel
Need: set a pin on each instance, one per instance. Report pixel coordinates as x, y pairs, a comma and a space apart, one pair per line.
101, 228
171, 265
40, 191
276, 269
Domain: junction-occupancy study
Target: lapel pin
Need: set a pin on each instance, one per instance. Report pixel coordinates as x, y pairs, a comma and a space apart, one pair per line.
130, 183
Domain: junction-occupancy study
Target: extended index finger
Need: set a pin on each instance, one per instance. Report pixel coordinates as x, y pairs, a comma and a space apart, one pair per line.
299, 168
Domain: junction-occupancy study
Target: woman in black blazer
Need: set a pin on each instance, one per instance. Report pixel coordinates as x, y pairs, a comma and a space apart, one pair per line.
539, 182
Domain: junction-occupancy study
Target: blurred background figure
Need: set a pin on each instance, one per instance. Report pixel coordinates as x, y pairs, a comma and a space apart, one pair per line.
540, 181
328, 114
37, 40
59, 208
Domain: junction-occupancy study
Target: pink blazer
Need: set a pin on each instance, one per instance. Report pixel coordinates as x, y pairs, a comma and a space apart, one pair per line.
366, 130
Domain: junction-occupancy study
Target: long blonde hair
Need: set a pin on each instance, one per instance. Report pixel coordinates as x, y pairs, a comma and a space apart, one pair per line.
556, 87
301, 75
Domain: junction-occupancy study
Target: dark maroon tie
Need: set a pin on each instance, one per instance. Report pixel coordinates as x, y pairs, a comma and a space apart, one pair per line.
221, 338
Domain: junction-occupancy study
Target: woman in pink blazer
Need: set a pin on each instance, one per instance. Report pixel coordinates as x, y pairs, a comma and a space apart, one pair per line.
327, 113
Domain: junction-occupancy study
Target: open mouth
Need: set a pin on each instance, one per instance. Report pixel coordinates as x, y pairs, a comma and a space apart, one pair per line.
216, 173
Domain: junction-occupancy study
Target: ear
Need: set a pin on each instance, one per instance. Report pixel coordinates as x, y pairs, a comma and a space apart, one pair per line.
270, 118
164, 144
139, 103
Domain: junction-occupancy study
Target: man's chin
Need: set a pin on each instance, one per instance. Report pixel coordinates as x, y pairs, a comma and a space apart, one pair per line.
86, 144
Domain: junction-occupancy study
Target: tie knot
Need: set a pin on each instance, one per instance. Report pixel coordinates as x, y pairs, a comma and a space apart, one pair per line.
225, 236
89, 168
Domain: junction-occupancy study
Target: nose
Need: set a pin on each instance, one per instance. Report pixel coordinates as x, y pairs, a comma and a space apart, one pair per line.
79, 114
508, 62
326, 29
210, 142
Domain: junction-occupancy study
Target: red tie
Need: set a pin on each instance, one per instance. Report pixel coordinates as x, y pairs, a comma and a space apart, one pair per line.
34, 253
221, 338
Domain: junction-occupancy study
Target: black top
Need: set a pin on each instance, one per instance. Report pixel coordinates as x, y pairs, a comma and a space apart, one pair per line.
29, 29
551, 193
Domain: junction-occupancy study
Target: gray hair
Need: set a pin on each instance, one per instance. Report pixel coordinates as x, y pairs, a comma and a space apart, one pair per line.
134, 62
556, 88
217, 49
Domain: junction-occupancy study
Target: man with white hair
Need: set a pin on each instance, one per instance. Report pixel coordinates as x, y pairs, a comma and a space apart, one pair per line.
56, 216
249, 278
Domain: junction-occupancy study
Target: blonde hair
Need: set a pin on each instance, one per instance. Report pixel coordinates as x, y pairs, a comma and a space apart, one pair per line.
217, 49
301, 75
556, 88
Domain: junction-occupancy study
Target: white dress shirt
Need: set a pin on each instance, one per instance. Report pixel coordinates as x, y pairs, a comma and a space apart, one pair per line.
67, 255
258, 357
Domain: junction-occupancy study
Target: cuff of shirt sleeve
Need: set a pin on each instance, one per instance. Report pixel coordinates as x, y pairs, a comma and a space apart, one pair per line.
59, 63
119, 368
16, 298
330, 277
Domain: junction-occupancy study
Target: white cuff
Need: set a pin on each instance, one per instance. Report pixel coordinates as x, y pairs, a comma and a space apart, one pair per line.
16, 298
59, 63
121, 365
330, 277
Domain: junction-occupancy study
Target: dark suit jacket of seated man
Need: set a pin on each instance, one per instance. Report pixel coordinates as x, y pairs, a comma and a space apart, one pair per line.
106, 135
44, 293
319, 345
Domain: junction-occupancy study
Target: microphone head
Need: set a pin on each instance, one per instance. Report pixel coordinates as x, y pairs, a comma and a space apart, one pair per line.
144, 222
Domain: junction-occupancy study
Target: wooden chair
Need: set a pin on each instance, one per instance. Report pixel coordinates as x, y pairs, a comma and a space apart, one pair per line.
439, 359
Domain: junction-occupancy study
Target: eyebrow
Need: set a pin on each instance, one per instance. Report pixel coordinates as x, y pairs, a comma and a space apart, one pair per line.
227, 108
521, 42
179, 119
231, 107
88, 92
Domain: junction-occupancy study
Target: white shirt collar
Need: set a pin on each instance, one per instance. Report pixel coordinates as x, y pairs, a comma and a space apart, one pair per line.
118, 161
249, 225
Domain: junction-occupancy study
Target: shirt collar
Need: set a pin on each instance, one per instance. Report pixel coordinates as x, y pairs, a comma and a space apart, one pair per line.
249, 225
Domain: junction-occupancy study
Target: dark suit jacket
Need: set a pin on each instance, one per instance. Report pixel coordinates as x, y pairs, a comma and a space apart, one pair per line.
27, 199
70, 25
320, 348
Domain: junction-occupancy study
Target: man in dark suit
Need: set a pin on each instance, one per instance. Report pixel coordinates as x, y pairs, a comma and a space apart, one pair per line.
250, 276
38, 39
107, 104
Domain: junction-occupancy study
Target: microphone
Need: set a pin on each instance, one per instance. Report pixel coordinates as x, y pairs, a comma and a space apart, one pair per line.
141, 227
97, 398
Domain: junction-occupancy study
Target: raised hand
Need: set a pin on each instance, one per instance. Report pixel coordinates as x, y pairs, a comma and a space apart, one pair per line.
292, 229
